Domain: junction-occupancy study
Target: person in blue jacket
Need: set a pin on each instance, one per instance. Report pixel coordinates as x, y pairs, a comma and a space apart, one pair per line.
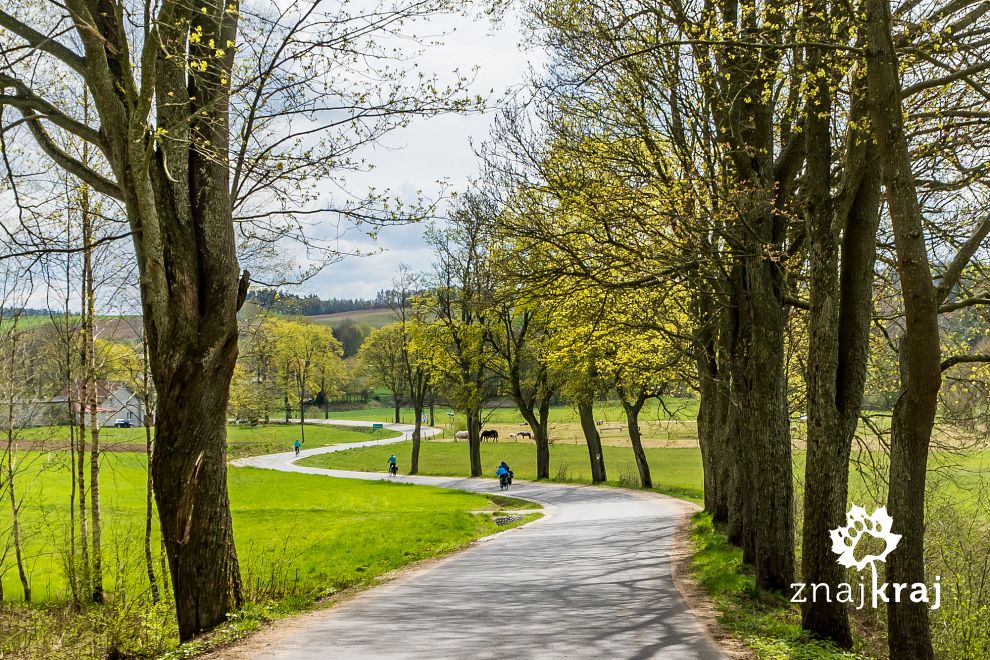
297, 445
503, 474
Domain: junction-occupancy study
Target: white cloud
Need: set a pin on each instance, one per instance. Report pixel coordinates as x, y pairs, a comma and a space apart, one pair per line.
428, 150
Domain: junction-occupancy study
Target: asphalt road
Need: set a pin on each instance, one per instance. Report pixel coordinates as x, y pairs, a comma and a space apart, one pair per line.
592, 579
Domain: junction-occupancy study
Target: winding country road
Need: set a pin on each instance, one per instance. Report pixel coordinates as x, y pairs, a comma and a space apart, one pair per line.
592, 579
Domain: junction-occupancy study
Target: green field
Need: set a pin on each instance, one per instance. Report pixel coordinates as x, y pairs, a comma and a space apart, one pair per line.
611, 412
375, 318
241, 440
323, 533
675, 471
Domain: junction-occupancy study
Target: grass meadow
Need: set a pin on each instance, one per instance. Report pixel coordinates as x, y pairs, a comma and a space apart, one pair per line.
319, 533
241, 440
677, 471
300, 540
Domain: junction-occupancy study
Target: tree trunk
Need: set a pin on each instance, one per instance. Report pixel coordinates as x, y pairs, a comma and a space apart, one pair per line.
71, 563
636, 438
594, 441
149, 515
741, 499
537, 421
81, 479
716, 490
302, 417
91, 401
920, 359
15, 525
149, 511
474, 441
94, 495
541, 436
632, 407
397, 418
416, 434
764, 420
326, 399
433, 420
838, 337
190, 450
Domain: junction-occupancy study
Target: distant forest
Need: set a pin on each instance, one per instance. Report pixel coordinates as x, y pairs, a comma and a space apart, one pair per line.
8, 312
290, 303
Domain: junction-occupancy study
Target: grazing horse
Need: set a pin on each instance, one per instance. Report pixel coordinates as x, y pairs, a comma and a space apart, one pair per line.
524, 434
490, 434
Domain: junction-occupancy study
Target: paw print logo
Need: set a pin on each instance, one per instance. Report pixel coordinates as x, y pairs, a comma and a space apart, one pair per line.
845, 539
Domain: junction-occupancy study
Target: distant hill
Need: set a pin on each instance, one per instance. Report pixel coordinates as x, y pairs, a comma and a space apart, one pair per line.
114, 328
375, 318
311, 305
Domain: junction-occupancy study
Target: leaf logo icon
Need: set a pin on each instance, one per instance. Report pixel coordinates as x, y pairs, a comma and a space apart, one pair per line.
858, 525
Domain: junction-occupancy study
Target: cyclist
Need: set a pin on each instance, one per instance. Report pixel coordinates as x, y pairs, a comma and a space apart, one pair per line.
393, 467
298, 446
502, 472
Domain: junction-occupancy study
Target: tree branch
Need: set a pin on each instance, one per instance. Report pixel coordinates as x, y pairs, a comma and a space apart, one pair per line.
952, 274
950, 362
928, 83
74, 167
43, 42
960, 304
25, 99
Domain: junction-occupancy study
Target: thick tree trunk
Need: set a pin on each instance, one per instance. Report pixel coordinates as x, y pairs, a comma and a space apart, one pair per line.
771, 429
594, 441
920, 359
712, 458
838, 337
474, 442
397, 419
732, 436
194, 509
416, 435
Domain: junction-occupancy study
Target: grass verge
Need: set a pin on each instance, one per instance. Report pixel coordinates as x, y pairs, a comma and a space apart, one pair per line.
767, 623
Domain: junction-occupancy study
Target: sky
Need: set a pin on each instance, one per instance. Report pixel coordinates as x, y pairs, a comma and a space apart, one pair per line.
428, 150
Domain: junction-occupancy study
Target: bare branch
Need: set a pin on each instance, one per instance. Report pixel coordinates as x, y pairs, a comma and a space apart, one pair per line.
950, 362
84, 173
43, 42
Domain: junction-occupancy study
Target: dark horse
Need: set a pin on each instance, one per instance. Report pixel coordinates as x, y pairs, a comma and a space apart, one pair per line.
490, 434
